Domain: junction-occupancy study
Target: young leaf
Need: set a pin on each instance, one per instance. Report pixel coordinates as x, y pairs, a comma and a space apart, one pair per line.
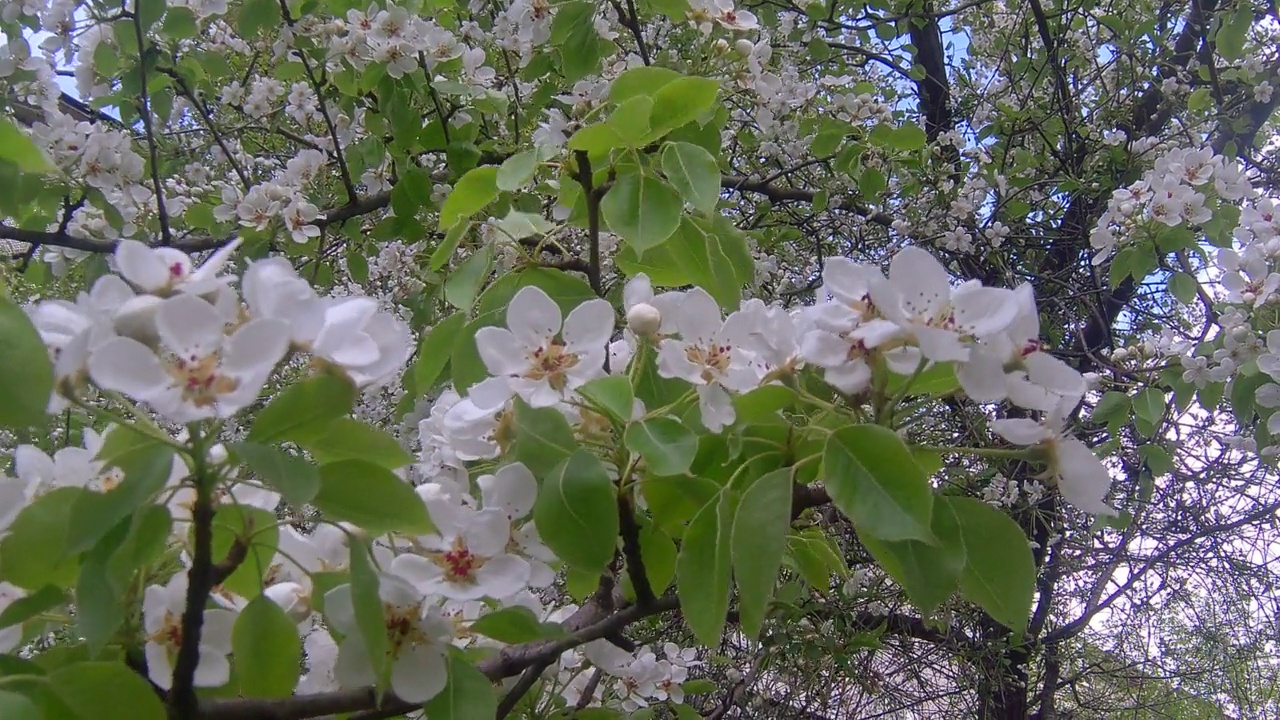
928, 573
543, 438
435, 350
642, 209
874, 480
704, 569
612, 394
33, 553
266, 649
513, 625
18, 149
463, 285
296, 479
999, 573
366, 603
694, 173
758, 541
477, 188
576, 512
304, 410
516, 170
372, 497
27, 381
681, 101
350, 439
106, 691
146, 464
468, 695
667, 446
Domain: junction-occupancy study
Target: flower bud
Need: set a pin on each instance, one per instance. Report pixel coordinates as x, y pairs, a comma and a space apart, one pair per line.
1120, 355
744, 47
1092, 379
644, 319
721, 46
1249, 298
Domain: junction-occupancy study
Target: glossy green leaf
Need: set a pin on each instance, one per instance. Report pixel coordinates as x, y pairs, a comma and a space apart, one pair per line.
644, 210
17, 707
1183, 287
255, 530
704, 569
28, 606
658, 552
513, 625
463, 284
366, 603
576, 512
372, 497
266, 650
611, 394
20, 150
758, 542
1000, 572
694, 172
304, 410
106, 691
257, 17
100, 602
681, 101
640, 80
544, 438
468, 695
350, 439
476, 189
27, 382
295, 478
1233, 33
667, 446
146, 465
435, 349
517, 170
928, 573
33, 553
875, 481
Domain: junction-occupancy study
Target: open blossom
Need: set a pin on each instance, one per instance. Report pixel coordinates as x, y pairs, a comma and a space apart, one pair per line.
417, 635
1081, 477
710, 354
162, 609
468, 558
543, 358
163, 270
196, 371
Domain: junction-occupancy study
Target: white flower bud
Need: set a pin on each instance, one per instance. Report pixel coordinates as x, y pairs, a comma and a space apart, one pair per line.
744, 47
734, 675
1120, 355
1148, 348
1240, 332
1092, 379
721, 46
1249, 298
644, 319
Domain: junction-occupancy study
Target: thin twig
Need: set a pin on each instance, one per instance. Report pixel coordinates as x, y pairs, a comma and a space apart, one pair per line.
162, 212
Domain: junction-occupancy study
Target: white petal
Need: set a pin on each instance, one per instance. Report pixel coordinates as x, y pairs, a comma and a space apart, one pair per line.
1083, 479
141, 265
717, 407
982, 311
127, 366
513, 488
353, 669
533, 316
673, 362
637, 290
698, 317
418, 674
217, 630
488, 532
940, 345
159, 665
213, 671
1021, 431
417, 570
503, 576
501, 352
589, 325
189, 326
256, 347
983, 378
921, 282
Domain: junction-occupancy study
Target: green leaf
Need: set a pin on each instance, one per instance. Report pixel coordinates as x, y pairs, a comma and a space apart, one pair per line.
266, 650
1183, 287
871, 183
27, 382
907, 138
463, 285
477, 188
704, 570
100, 605
641, 80
257, 16
1149, 405
758, 542
350, 439
17, 707
27, 607
708, 252
514, 625
468, 695
517, 170
763, 403
611, 394
875, 481
544, 439
18, 149
999, 573
106, 691
574, 35
366, 603
435, 349
296, 479
681, 101
149, 12
33, 553
694, 173
928, 573
576, 512
258, 532
667, 446
1231, 37
1111, 406
642, 209
444, 251
148, 537
658, 552
372, 497
146, 464
305, 410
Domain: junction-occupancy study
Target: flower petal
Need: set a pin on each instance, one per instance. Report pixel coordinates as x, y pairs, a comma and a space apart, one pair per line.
533, 316
127, 366
1082, 478
256, 347
501, 352
419, 674
189, 326
141, 265
589, 325
922, 284
1021, 431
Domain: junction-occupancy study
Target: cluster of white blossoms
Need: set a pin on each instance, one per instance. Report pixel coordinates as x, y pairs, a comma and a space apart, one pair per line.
911, 319
178, 337
1171, 194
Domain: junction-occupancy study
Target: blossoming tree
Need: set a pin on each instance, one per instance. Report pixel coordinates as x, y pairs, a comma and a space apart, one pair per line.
650, 358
